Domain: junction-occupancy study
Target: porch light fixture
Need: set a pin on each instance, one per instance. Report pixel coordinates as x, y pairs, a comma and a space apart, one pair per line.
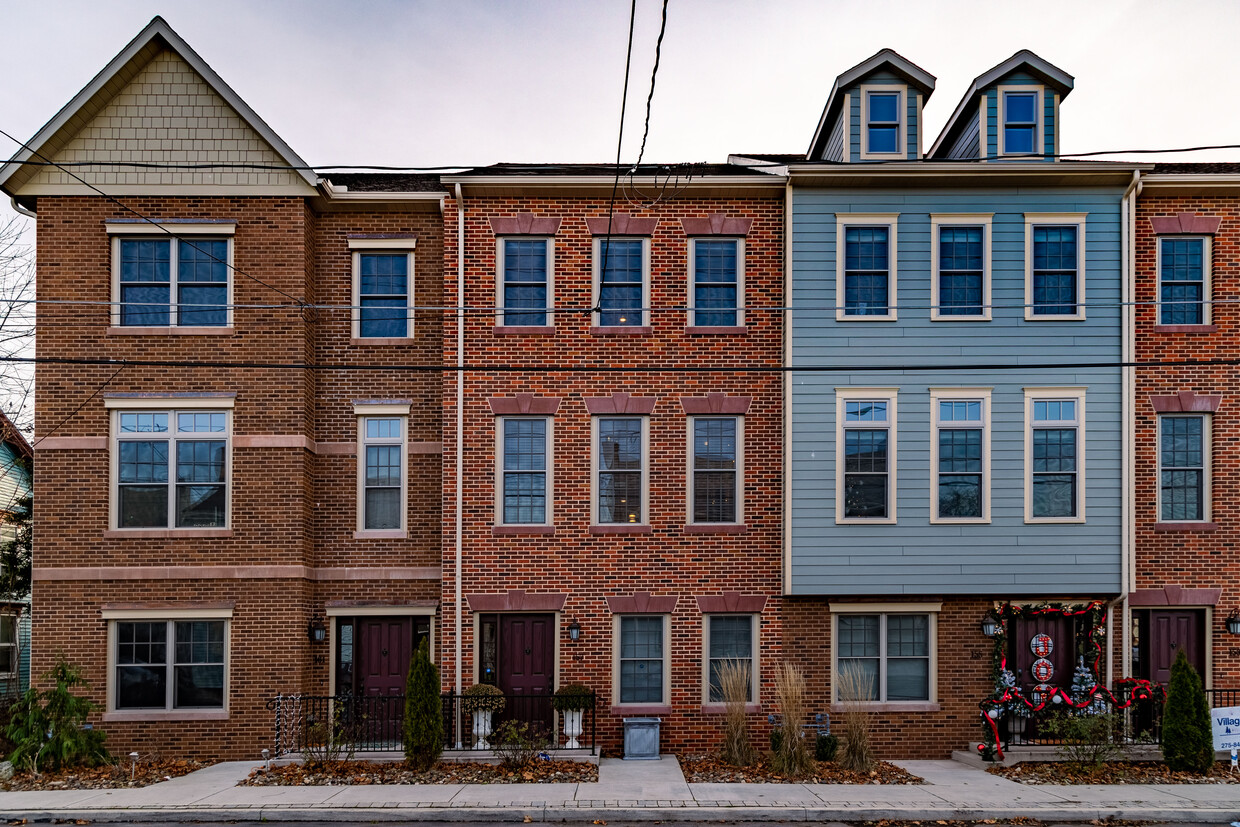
1233, 622
990, 626
316, 630
574, 631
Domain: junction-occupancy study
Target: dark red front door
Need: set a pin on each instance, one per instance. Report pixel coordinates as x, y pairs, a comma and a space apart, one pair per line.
1061, 656
527, 666
1170, 631
384, 655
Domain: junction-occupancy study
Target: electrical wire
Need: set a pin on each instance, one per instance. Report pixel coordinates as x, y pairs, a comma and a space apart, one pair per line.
75, 411
654, 75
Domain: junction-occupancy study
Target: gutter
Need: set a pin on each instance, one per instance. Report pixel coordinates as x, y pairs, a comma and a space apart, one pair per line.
460, 427
20, 210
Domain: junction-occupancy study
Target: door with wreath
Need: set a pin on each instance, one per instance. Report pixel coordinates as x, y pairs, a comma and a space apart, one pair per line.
1042, 653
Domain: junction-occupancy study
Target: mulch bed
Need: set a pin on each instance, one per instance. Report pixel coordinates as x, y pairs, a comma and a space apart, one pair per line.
107, 777
1112, 772
707, 769
347, 773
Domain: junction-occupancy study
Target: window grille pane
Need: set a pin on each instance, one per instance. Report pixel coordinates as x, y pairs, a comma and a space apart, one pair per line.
868, 411
1054, 449
865, 451
620, 282
200, 422
525, 444
525, 281
858, 636
1054, 270
908, 636
383, 285
202, 282
144, 305
143, 461
141, 657
525, 497
620, 497
1182, 274
715, 283
200, 461
145, 261
383, 465
382, 428
199, 665
884, 107
1182, 468
961, 269
866, 271
144, 423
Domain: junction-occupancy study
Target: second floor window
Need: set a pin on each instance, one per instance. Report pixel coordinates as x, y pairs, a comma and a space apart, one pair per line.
524, 495
961, 271
961, 459
167, 282
621, 273
172, 469
714, 471
1182, 468
867, 270
866, 458
525, 287
383, 295
1055, 270
1055, 458
383, 473
1181, 281
716, 282
621, 469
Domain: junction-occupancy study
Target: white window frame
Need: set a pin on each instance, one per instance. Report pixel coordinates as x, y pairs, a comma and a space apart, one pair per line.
361, 246
1076, 394
755, 669
901, 121
172, 233
1039, 105
171, 616
691, 474
15, 645
1207, 267
594, 468
851, 394
501, 423
883, 610
364, 412
691, 301
1207, 427
667, 661
501, 316
596, 246
938, 395
1076, 219
172, 406
949, 220
842, 222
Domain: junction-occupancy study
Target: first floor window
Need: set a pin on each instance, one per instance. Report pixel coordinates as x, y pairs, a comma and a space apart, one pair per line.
524, 282
1181, 280
960, 447
1055, 457
525, 470
383, 480
642, 659
716, 282
1182, 468
621, 469
883, 657
383, 295
865, 456
715, 480
729, 642
172, 469
170, 664
169, 281
621, 267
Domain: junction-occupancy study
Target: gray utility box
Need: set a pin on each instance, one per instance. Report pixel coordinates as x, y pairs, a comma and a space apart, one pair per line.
641, 739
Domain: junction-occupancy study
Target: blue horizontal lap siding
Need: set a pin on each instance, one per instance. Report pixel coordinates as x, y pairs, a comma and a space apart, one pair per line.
913, 556
1048, 122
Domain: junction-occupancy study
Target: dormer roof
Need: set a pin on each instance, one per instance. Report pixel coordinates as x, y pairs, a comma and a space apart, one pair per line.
1047, 72
916, 76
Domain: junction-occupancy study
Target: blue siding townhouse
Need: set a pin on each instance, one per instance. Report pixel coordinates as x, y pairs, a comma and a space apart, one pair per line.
949, 447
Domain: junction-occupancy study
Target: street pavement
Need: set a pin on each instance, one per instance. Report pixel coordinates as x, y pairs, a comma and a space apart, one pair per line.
632, 791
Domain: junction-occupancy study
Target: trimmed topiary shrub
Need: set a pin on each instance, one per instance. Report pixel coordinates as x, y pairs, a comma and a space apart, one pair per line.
1187, 743
423, 728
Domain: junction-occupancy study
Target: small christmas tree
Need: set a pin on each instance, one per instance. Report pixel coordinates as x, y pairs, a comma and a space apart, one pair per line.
1187, 743
423, 712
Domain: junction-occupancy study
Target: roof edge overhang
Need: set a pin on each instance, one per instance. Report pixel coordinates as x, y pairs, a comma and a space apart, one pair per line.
335, 198
1202, 183
584, 185
963, 174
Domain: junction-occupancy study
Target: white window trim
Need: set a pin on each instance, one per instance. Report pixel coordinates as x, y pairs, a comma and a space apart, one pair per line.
740, 468
1039, 106
173, 406
1076, 219
391, 411
842, 222
939, 220
501, 318
594, 468
691, 301
901, 121
1032, 395
930, 609
1207, 438
755, 676
548, 460
171, 616
15, 619
170, 233
1207, 268
358, 246
843, 395
959, 394
615, 661
596, 270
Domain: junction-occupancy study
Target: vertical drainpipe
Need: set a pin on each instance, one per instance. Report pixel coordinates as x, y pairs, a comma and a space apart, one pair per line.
1128, 209
786, 569
460, 425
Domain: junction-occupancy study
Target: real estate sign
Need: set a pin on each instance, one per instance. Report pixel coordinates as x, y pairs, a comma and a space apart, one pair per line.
1225, 722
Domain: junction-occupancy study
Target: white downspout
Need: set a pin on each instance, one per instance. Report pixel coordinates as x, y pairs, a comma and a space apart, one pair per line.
1128, 210
20, 210
460, 425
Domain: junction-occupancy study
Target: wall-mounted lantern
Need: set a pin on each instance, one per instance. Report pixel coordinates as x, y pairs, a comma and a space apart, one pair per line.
316, 629
574, 631
1233, 622
990, 626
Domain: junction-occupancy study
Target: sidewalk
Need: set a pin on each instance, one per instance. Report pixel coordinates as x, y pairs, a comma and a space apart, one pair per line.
632, 791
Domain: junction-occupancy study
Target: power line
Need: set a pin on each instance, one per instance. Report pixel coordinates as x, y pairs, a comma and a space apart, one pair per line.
654, 74
75, 411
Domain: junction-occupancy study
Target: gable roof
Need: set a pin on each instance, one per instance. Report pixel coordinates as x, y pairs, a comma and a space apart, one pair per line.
914, 74
1047, 72
13, 438
155, 38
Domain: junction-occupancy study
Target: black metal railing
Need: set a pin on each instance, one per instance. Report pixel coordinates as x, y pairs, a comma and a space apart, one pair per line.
338, 726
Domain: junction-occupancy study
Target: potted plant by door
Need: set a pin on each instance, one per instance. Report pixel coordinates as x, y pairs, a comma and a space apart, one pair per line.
482, 700
572, 700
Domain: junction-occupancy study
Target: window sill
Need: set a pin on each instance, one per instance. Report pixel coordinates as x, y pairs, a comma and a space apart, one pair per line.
641, 709
721, 709
1029, 317
939, 317
167, 715
165, 533
717, 330
117, 330
620, 528
1186, 526
1054, 521
381, 340
517, 530
716, 528
524, 330
1186, 328
635, 330
381, 534
866, 521
857, 317
892, 706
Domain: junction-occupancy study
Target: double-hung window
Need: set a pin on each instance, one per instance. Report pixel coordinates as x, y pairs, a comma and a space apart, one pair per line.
865, 455
621, 285
382, 287
1183, 479
171, 275
620, 476
174, 662
8, 645
1055, 454
866, 267
641, 661
525, 267
960, 457
1183, 265
525, 474
382, 464
1021, 122
1054, 266
716, 274
883, 656
715, 469
171, 467
884, 133
730, 641
960, 257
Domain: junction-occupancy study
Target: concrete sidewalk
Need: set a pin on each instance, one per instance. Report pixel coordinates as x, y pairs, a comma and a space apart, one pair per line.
633, 791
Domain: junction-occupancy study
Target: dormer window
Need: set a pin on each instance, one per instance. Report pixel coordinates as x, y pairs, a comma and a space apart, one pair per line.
1020, 123
884, 132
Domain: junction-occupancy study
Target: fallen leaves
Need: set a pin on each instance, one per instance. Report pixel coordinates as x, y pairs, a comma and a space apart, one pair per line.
1112, 772
360, 773
709, 769
109, 776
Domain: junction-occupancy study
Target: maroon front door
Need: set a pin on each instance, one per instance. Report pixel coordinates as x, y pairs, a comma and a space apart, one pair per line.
1032, 667
526, 670
1170, 631
384, 655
